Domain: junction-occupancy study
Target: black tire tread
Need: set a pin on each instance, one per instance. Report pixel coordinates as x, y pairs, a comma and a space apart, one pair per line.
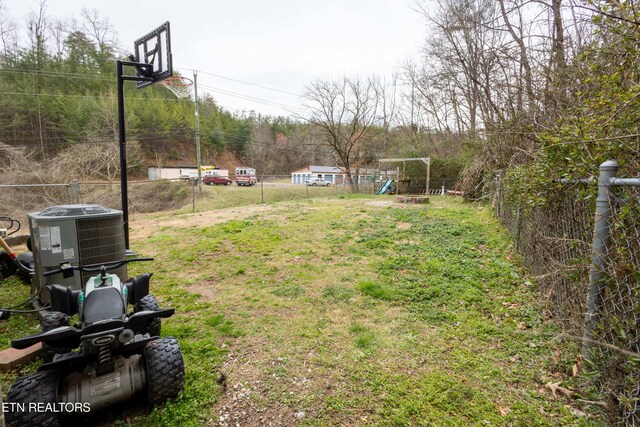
50, 321
53, 320
164, 369
41, 387
150, 303
7, 267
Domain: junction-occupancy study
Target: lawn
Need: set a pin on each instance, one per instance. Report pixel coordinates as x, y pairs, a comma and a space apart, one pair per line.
349, 311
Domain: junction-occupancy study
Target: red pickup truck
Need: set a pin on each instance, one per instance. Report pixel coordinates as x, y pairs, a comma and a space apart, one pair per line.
217, 180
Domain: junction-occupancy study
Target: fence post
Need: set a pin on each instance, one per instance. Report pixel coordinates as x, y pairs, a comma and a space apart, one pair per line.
498, 195
193, 195
518, 227
262, 190
74, 192
601, 238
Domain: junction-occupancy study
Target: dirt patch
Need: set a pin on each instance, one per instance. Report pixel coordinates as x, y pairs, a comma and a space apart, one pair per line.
403, 225
143, 227
381, 203
253, 376
207, 289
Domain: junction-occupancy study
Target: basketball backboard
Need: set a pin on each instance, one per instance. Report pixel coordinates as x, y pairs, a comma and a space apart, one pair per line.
154, 49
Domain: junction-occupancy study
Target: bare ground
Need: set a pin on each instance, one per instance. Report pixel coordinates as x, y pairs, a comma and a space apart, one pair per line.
143, 227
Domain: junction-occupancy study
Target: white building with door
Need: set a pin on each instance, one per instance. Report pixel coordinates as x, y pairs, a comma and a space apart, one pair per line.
332, 174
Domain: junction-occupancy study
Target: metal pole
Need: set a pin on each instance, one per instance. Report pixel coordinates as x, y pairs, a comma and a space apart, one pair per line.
428, 175
74, 192
123, 153
498, 201
198, 156
601, 238
518, 225
379, 178
193, 196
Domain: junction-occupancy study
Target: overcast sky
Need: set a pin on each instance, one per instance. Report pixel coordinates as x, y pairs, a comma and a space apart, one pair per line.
281, 44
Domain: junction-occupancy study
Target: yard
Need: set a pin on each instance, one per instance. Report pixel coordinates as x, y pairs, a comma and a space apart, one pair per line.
347, 311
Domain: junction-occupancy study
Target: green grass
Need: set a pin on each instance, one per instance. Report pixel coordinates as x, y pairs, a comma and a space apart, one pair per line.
355, 311
219, 197
13, 291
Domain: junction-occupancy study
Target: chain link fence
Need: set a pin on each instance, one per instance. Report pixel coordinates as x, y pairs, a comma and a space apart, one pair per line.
16, 201
583, 246
555, 242
617, 315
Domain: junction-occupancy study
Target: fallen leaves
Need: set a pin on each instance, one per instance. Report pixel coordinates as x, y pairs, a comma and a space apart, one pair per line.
502, 410
556, 387
576, 366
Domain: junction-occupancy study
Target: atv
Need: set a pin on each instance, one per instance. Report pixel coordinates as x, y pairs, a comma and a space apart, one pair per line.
108, 357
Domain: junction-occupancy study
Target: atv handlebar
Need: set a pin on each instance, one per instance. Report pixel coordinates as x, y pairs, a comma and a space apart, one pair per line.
12, 222
95, 267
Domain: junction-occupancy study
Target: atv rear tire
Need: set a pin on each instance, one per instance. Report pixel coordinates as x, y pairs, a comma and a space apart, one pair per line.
50, 321
7, 266
149, 303
164, 369
40, 388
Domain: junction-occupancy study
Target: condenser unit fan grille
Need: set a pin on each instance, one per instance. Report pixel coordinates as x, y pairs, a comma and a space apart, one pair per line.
101, 240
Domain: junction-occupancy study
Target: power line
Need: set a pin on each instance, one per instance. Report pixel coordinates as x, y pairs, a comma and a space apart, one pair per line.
248, 83
252, 98
58, 74
88, 96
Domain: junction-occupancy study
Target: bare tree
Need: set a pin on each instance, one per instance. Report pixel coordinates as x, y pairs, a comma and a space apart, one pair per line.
8, 34
345, 110
98, 160
58, 31
99, 30
39, 25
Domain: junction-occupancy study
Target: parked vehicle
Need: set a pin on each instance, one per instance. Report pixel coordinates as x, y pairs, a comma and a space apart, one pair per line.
318, 182
118, 352
216, 180
246, 176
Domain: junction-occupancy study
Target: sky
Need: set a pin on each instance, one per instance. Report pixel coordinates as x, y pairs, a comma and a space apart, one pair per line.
278, 44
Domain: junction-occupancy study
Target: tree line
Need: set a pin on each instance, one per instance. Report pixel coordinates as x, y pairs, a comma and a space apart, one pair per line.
58, 91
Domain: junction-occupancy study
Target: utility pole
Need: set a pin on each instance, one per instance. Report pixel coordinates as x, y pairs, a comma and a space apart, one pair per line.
198, 156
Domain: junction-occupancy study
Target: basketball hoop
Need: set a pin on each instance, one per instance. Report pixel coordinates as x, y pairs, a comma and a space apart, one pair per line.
179, 86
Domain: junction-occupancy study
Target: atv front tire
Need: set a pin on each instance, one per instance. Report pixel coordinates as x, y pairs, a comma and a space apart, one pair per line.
50, 321
7, 266
164, 369
149, 303
40, 388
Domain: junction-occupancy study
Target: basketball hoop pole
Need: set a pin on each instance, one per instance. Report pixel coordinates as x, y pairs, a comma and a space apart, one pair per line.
155, 49
123, 138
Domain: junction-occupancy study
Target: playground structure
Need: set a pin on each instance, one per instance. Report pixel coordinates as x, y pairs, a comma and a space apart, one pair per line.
402, 185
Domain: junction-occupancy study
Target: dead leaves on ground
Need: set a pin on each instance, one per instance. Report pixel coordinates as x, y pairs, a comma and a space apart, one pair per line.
576, 366
556, 387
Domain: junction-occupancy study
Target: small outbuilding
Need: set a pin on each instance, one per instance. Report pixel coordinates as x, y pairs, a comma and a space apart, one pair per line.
332, 174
